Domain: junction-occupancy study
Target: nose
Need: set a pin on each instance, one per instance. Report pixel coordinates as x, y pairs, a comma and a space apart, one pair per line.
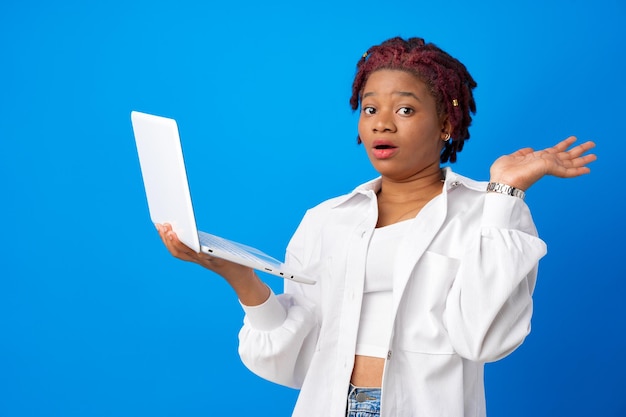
384, 122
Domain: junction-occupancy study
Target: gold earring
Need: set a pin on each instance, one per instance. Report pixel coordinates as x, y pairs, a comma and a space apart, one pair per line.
446, 137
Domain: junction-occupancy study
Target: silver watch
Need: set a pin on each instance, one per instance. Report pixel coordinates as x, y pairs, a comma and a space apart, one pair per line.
496, 187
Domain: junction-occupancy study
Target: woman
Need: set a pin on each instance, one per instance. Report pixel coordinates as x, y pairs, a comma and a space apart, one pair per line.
423, 274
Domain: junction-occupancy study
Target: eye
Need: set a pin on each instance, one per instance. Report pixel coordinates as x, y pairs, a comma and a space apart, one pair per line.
405, 111
369, 110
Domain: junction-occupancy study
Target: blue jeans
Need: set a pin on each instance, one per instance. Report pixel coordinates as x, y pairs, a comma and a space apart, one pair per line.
363, 402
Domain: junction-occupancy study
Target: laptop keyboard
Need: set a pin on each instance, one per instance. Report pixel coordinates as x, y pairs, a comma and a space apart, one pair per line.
246, 252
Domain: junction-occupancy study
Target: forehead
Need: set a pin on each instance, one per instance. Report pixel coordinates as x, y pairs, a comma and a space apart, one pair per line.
390, 80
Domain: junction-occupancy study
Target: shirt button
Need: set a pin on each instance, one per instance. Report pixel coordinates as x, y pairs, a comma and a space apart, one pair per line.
388, 355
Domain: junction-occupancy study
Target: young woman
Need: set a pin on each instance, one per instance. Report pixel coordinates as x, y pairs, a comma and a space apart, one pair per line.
423, 274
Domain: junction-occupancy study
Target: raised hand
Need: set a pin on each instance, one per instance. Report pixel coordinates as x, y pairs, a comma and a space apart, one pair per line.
523, 168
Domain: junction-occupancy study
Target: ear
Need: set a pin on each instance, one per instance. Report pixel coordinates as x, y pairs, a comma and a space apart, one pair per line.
446, 126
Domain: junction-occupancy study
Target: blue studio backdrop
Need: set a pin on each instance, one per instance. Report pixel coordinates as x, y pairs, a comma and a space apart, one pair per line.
96, 319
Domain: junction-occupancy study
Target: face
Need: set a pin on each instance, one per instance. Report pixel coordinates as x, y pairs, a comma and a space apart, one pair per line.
399, 125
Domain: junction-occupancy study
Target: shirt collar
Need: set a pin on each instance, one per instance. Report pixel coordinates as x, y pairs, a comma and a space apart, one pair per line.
370, 188
366, 190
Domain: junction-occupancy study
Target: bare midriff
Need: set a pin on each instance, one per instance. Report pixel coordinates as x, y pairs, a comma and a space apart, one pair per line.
367, 371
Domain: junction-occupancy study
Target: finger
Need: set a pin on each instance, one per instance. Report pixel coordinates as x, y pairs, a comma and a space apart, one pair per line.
568, 168
581, 149
585, 147
583, 161
176, 245
173, 244
571, 172
576, 156
162, 230
588, 145
564, 144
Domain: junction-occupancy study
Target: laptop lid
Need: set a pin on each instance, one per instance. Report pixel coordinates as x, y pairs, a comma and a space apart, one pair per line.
164, 175
169, 199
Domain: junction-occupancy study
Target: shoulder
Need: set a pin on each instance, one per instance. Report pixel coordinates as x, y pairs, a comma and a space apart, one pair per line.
464, 196
454, 180
334, 217
345, 208
363, 193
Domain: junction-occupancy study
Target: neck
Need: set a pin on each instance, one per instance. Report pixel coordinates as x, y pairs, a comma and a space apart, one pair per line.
419, 187
401, 200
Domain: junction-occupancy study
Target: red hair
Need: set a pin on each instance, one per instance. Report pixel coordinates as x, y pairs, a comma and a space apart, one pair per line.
447, 79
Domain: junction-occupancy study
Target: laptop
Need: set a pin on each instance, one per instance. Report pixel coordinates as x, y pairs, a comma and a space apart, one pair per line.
169, 198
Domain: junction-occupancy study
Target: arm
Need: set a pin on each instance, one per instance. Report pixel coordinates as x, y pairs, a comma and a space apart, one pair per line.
279, 332
489, 306
249, 288
278, 338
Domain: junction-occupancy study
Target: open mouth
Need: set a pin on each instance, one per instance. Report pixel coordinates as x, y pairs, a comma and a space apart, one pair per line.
383, 150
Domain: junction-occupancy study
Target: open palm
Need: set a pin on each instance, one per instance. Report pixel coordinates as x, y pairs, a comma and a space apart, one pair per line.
523, 168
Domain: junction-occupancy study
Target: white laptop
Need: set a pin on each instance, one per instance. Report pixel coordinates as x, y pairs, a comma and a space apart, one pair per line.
169, 199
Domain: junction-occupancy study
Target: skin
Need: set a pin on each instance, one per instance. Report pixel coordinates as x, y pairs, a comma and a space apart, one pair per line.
398, 111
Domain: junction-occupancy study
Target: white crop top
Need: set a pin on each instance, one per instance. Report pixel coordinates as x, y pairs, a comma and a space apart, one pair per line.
376, 321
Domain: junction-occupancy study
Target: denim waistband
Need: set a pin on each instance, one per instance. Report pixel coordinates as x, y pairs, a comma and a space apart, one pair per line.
363, 402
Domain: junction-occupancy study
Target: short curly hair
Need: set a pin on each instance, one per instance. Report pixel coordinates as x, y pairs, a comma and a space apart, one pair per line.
446, 77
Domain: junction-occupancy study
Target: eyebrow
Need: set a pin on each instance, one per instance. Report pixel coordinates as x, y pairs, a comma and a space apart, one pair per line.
399, 93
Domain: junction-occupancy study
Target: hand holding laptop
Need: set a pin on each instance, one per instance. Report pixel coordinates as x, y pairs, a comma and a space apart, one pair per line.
248, 286
169, 202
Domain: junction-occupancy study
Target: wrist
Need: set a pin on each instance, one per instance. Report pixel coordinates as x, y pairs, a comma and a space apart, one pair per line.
502, 188
249, 288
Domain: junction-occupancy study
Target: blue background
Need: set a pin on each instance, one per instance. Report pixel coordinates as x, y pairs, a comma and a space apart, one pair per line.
96, 319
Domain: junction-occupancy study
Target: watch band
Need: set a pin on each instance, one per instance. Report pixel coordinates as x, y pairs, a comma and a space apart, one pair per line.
496, 187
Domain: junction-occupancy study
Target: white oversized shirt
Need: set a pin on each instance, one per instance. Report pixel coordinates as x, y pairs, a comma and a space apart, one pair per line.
462, 287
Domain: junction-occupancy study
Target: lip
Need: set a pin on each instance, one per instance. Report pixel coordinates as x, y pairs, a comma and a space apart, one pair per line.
383, 149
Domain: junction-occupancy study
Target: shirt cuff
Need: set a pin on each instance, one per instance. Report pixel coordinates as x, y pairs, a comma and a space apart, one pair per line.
267, 316
503, 211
